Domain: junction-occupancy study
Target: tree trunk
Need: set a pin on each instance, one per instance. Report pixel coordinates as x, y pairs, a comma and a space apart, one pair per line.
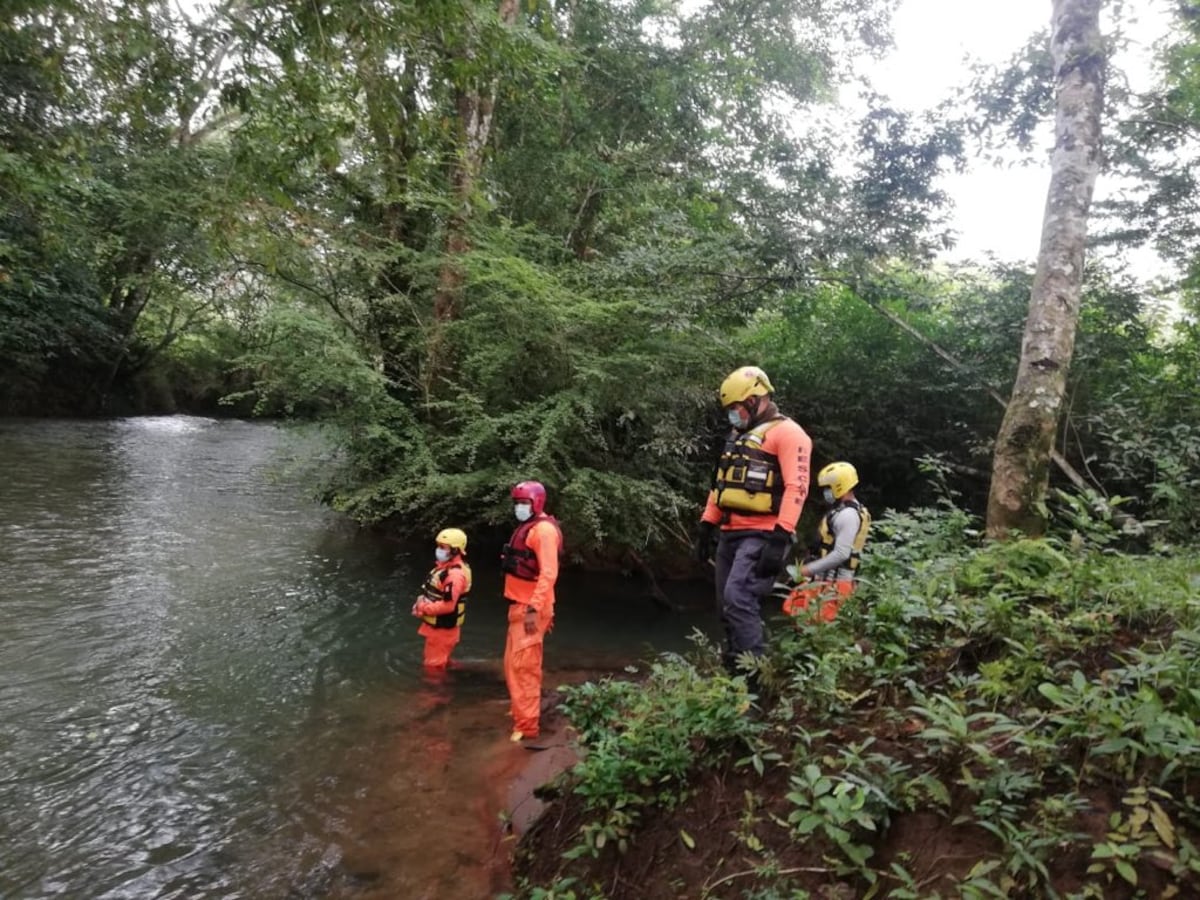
474, 106
475, 124
1020, 467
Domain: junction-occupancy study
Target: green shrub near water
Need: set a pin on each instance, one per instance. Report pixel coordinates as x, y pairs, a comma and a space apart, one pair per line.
645, 738
1025, 691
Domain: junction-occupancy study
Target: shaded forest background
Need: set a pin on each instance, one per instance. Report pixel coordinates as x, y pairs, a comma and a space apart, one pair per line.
486, 242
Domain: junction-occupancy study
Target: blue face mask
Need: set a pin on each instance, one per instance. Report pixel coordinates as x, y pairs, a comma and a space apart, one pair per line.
827, 496
441, 554
523, 511
735, 418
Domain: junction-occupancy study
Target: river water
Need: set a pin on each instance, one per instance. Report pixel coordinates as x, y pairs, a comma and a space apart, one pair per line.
210, 685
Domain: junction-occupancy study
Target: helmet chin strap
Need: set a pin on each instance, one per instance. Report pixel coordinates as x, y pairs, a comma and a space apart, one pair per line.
762, 407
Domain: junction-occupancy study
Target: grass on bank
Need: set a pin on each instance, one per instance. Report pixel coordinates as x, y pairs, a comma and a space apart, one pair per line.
984, 720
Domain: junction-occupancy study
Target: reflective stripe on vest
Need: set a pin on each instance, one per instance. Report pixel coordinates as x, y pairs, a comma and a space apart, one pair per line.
748, 479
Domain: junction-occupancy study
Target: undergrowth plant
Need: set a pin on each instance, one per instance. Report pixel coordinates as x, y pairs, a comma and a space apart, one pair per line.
641, 740
1041, 695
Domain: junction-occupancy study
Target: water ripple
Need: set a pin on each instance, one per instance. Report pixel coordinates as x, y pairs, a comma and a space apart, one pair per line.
210, 684
171, 595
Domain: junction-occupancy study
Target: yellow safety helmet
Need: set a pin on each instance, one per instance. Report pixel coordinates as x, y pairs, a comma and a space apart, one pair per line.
839, 477
452, 537
743, 383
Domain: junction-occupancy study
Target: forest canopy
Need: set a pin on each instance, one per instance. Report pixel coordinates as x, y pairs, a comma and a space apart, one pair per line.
485, 242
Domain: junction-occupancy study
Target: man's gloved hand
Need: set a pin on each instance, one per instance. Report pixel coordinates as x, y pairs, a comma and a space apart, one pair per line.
774, 553
706, 537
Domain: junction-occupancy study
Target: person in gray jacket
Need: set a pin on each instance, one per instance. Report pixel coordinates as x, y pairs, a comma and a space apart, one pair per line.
829, 579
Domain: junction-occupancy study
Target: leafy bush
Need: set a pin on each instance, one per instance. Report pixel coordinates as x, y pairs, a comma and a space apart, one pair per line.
1014, 689
641, 741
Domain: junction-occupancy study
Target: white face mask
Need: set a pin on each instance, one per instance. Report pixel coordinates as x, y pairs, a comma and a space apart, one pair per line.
523, 511
441, 554
827, 495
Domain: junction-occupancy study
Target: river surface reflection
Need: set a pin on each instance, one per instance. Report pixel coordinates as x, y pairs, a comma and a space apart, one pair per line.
210, 685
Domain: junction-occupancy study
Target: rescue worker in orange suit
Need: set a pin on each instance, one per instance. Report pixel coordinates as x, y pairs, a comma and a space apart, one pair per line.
757, 495
530, 564
442, 606
843, 531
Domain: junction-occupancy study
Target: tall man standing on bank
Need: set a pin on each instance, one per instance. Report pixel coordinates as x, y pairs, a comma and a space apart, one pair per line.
530, 564
758, 492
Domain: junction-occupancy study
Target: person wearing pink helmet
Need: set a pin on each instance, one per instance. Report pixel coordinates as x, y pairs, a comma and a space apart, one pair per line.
530, 564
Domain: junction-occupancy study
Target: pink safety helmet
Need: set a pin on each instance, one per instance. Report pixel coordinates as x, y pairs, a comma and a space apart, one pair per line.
532, 491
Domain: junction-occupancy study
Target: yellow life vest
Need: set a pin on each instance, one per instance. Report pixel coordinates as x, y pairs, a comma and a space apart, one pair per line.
748, 479
436, 590
860, 539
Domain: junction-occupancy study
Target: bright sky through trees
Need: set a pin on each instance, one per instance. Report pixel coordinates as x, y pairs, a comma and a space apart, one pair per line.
997, 210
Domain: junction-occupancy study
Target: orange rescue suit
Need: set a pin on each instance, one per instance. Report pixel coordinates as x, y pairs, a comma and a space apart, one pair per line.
523, 652
821, 600
440, 641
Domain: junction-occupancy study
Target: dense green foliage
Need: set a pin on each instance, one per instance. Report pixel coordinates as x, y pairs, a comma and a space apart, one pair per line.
484, 242
110, 204
253, 208
1039, 698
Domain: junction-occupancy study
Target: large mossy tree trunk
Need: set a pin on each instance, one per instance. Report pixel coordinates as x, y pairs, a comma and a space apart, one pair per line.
475, 104
1020, 466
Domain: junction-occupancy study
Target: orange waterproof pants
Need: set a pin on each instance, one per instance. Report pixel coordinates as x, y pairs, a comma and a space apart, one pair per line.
819, 600
523, 669
439, 644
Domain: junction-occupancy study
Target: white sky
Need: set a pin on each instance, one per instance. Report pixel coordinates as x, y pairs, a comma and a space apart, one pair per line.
997, 210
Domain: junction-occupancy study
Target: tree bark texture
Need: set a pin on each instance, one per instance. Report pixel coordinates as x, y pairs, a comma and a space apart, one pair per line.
475, 108
1020, 466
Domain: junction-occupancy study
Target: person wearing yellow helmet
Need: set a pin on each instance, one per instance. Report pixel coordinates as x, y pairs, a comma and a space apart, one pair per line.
831, 577
442, 605
758, 491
